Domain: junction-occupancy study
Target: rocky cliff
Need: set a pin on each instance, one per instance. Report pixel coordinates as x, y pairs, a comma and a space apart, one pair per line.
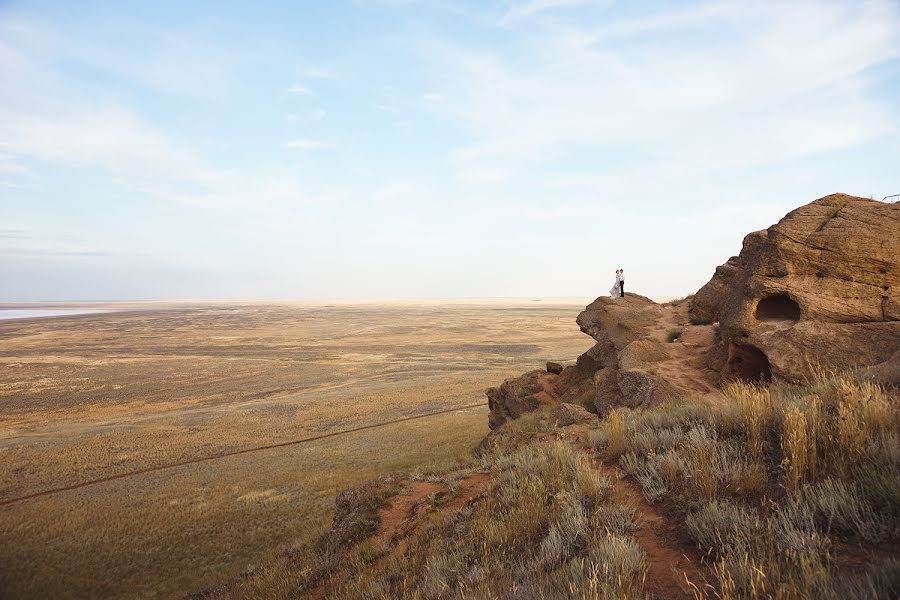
819, 289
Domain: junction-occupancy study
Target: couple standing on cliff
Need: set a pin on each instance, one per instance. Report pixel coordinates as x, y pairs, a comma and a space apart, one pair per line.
618, 288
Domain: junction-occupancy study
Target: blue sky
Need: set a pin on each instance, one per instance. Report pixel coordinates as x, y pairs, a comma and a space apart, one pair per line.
372, 149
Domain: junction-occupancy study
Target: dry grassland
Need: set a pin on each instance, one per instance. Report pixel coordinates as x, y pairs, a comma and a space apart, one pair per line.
87, 397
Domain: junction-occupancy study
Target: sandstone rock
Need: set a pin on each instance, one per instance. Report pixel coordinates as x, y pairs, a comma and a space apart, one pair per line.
607, 395
642, 352
570, 414
888, 372
617, 321
821, 287
519, 395
640, 388
554, 367
704, 306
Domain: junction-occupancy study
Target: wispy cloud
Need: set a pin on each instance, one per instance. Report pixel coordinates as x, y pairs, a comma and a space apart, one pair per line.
777, 82
520, 9
300, 90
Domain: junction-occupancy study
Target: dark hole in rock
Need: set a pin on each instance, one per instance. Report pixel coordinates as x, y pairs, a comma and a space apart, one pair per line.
748, 363
779, 307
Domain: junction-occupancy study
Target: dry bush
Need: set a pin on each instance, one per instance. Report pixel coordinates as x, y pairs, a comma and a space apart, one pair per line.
673, 334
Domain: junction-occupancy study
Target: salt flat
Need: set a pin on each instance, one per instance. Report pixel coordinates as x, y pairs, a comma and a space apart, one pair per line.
93, 396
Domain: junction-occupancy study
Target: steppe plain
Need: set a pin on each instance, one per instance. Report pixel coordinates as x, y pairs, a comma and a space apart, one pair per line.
92, 397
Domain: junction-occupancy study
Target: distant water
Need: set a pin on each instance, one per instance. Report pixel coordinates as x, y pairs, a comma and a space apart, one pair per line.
16, 313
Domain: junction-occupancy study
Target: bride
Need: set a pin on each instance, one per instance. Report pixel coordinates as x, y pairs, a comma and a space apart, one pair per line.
614, 290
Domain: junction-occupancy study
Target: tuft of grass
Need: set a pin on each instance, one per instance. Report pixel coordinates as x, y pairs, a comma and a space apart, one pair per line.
674, 334
616, 431
837, 204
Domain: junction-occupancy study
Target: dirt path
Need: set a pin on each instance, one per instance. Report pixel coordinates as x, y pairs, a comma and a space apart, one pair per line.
671, 560
400, 516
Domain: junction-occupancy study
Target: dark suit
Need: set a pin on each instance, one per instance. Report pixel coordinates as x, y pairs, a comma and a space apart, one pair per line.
621, 288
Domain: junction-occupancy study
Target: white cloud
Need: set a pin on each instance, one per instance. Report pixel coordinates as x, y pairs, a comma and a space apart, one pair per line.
432, 97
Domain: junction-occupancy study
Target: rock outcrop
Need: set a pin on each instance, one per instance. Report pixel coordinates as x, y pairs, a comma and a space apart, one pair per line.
630, 364
819, 288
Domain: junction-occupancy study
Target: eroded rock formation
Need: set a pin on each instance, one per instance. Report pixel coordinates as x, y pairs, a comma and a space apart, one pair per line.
630, 365
821, 288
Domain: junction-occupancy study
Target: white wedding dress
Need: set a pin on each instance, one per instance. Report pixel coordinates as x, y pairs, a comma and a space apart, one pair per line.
614, 291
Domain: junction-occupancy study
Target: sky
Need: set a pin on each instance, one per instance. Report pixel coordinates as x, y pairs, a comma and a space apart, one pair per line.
425, 149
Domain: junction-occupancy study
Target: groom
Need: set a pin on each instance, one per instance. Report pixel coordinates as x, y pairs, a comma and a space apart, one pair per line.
621, 283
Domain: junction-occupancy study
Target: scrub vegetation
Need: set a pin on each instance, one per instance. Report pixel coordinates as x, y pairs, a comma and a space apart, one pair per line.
777, 491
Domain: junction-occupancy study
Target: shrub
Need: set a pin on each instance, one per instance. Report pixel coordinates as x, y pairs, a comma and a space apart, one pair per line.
673, 334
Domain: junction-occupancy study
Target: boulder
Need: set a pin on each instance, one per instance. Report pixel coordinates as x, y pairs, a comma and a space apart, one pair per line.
641, 388
819, 288
567, 414
642, 352
519, 395
554, 367
607, 395
618, 321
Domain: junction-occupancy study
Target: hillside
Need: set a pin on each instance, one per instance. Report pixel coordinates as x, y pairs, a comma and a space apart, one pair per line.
742, 443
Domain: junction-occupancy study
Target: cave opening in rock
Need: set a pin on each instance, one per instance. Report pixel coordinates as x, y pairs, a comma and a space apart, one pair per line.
779, 307
748, 363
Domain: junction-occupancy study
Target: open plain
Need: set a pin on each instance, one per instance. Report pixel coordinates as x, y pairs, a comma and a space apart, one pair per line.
151, 428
